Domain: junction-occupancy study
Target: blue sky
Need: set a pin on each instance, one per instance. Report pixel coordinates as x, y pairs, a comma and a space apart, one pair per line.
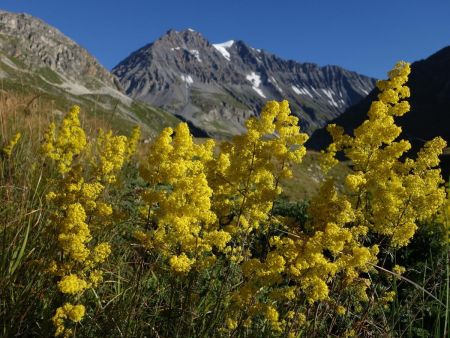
362, 35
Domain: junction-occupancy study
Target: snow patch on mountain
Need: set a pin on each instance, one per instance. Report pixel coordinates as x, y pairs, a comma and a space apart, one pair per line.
255, 80
307, 92
274, 82
303, 91
196, 53
329, 93
296, 90
316, 91
222, 48
187, 78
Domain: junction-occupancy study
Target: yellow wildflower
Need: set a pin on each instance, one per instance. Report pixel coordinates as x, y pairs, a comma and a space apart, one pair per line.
181, 263
101, 252
7, 150
72, 284
74, 313
77, 201
398, 269
66, 143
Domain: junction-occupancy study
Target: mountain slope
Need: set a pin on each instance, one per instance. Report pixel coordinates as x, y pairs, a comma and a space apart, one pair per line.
218, 86
38, 44
429, 83
38, 59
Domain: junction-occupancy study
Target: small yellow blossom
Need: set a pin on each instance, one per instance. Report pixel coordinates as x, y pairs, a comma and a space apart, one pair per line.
181, 263
340, 310
74, 313
398, 269
231, 323
101, 252
104, 209
72, 284
7, 150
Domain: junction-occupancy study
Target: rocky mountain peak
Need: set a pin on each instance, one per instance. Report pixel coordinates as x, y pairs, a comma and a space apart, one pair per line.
187, 38
216, 87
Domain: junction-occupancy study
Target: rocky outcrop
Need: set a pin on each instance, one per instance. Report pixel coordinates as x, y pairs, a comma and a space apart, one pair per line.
38, 44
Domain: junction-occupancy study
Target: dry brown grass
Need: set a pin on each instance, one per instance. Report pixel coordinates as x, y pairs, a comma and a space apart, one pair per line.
31, 114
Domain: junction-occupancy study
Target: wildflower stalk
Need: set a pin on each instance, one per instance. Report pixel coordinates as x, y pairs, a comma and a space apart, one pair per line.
78, 207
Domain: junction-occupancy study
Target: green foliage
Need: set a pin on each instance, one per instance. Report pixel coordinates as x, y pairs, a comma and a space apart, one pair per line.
415, 313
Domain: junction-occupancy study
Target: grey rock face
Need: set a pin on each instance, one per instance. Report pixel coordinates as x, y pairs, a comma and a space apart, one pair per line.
218, 86
38, 44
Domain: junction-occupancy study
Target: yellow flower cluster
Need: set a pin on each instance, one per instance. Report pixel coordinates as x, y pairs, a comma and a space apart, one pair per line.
72, 284
203, 203
389, 194
245, 176
133, 142
183, 227
7, 150
198, 200
76, 200
383, 194
69, 142
180, 263
301, 265
112, 153
68, 311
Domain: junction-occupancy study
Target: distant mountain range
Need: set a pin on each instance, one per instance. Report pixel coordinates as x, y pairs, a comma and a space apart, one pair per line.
216, 87
429, 83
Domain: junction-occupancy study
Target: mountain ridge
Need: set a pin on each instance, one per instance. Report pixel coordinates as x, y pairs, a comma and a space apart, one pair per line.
429, 83
218, 86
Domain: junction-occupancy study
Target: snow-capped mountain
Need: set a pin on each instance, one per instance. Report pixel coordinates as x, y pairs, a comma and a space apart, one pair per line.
216, 87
